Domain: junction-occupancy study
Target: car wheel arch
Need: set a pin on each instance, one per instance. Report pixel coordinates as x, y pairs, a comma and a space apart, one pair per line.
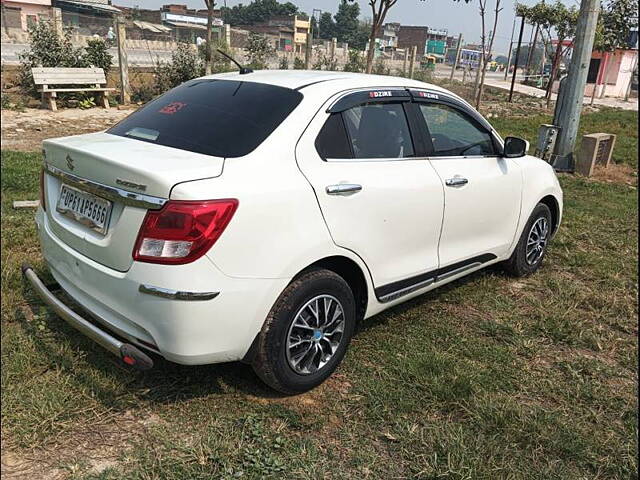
351, 272
552, 202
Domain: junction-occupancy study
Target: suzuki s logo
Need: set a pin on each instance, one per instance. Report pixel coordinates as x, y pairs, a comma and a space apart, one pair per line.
70, 162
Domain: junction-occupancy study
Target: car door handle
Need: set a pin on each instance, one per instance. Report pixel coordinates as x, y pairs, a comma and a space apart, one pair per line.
343, 189
456, 181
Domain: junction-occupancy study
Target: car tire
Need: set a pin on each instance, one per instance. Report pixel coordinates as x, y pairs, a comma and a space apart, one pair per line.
532, 246
279, 361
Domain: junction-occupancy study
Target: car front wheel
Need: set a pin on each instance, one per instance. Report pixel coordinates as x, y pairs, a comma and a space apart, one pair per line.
307, 332
532, 246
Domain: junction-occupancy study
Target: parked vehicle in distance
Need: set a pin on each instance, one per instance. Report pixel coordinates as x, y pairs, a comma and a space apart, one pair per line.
259, 217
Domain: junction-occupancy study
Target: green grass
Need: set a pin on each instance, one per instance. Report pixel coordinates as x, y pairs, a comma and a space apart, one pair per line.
622, 123
489, 377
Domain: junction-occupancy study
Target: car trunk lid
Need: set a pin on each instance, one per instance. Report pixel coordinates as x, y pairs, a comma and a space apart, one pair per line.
131, 174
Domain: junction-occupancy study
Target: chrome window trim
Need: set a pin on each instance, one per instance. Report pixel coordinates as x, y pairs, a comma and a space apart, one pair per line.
176, 294
458, 157
364, 160
105, 191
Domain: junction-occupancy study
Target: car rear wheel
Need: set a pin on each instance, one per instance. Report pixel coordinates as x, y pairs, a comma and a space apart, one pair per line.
307, 332
532, 246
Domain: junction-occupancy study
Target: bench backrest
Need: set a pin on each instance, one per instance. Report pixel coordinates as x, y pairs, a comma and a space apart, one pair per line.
68, 76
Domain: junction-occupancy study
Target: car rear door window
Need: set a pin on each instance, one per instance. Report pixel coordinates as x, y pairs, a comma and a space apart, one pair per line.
223, 118
453, 133
378, 131
332, 141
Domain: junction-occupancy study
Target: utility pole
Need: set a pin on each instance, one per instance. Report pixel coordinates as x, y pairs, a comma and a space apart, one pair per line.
313, 15
309, 48
515, 63
513, 28
455, 61
568, 116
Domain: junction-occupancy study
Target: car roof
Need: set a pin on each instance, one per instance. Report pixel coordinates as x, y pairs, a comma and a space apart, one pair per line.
336, 81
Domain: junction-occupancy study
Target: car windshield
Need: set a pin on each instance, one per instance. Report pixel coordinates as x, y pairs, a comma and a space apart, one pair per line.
223, 118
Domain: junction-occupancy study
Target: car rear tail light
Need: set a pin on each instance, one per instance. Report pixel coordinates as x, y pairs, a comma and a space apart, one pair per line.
42, 201
182, 231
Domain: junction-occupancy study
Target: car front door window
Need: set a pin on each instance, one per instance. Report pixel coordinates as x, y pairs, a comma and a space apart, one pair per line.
455, 134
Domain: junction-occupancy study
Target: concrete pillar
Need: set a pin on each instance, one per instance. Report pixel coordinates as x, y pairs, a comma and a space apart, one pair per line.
57, 20
121, 37
412, 63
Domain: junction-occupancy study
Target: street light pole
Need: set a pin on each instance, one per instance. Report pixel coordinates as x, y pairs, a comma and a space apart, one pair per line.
572, 98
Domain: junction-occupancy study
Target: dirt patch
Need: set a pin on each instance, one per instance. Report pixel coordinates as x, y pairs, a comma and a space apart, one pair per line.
89, 450
616, 173
25, 131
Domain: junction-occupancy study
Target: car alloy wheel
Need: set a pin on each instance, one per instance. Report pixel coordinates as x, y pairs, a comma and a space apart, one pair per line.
537, 240
315, 334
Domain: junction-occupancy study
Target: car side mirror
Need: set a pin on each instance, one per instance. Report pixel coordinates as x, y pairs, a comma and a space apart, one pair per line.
515, 147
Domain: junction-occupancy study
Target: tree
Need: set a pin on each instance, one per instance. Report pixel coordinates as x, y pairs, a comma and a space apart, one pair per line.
379, 10
617, 19
259, 50
257, 11
208, 53
550, 17
346, 22
327, 27
487, 47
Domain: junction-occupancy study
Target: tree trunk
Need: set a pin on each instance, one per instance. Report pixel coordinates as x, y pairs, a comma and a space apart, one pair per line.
532, 52
372, 47
607, 67
486, 56
209, 46
554, 71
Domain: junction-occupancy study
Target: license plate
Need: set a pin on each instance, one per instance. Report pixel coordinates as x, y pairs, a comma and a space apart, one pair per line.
85, 208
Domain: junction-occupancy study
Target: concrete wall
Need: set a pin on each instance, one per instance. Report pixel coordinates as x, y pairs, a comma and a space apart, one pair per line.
38, 8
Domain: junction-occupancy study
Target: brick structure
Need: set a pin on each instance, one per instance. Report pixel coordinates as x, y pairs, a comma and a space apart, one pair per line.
410, 35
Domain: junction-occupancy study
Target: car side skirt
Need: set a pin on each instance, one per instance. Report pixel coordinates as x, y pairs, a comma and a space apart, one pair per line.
393, 291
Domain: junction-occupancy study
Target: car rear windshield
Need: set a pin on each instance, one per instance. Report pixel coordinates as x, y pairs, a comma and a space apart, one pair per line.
224, 118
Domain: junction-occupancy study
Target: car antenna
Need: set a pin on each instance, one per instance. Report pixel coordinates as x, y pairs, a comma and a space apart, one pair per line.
243, 70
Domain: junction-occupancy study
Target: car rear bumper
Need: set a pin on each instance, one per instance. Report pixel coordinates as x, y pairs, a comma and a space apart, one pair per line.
189, 314
127, 352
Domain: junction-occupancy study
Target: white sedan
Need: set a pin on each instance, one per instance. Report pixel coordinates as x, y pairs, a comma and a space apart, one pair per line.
260, 216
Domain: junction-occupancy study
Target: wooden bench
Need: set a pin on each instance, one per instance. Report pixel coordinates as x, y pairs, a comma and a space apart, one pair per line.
86, 79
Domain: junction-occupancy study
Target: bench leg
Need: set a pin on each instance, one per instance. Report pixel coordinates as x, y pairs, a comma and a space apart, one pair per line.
104, 98
52, 102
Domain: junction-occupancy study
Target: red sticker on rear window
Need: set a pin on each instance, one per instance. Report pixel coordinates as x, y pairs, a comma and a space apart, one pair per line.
172, 108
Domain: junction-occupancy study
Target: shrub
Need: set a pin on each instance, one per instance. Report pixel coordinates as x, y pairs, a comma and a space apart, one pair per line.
96, 54
380, 69
298, 64
356, 62
325, 63
259, 50
185, 64
423, 76
47, 49
219, 63
284, 63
